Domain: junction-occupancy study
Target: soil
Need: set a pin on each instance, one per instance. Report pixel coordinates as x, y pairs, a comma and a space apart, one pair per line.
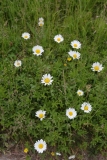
20, 156
16, 153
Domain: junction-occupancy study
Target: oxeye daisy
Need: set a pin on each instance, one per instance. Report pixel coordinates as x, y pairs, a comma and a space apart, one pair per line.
58, 154
40, 114
41, 19
26, 35
76, 44
58, 38
37, 50
71, 113
97, 67
72, 157
40, 146
86, 107
74, 54
80, 92
17, 63
40, 23
47, 79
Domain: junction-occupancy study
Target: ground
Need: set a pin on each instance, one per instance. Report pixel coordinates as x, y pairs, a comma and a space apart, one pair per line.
22, 156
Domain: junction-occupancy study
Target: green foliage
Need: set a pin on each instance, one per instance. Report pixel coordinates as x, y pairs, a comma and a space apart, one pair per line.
21, 91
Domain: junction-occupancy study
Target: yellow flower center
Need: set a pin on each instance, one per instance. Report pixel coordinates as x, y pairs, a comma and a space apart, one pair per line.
96, 68
18, 63
52, 153
47, 80
58, 39
40, 24
65, 64
70, 113
40, 145
79, 93
41, 115
75, 56
37, 51
25, 150
69, 59
86, 108
75, 45
26, 37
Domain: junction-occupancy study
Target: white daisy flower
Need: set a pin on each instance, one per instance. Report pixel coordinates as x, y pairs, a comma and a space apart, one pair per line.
71, 113
86, 107
76, 44
47, 79
40, 23
37, 50
74, 54
40, 114
40, 146
41, 19
80, 92
72, 157
97, 67
58, 154
26, 35
17, 63
58, 38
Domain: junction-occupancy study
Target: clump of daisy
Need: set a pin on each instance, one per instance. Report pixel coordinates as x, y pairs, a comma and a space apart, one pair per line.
74, 54
80, 92
26, 150
37, 50
41, 22
26, 35
97, 67
86, 107
40, 146
76, 44
40, 114
47, 79
17, 63
71, 113
69, 59
58, 38
72, 157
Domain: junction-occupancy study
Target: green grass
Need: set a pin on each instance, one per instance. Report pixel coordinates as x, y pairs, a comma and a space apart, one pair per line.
22, 94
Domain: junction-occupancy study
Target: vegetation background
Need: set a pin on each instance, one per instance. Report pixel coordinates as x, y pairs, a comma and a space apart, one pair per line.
21, 91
